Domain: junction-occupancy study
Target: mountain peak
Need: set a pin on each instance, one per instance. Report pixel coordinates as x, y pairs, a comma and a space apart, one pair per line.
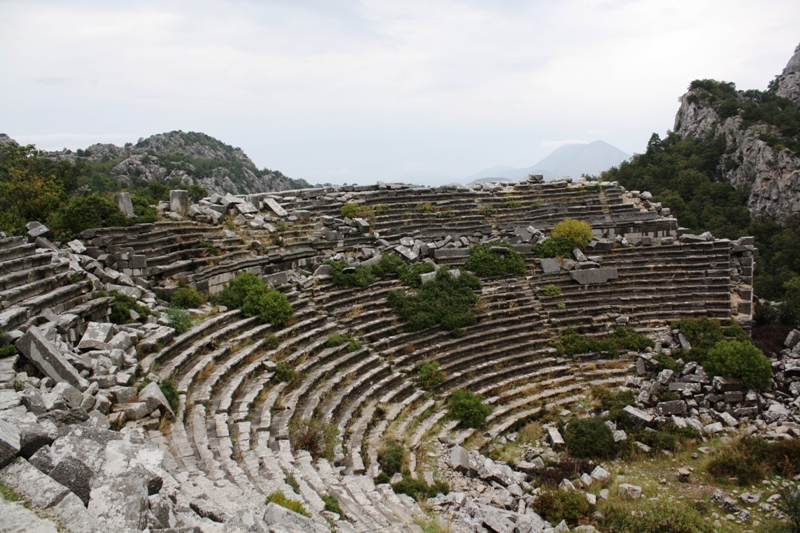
787, 84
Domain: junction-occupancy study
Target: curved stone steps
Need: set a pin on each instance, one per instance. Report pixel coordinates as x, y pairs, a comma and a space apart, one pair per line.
12, 278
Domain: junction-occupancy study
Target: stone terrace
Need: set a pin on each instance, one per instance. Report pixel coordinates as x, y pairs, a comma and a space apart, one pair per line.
232, 426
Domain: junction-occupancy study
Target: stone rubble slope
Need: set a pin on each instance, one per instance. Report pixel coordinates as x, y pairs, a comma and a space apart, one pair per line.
72, 410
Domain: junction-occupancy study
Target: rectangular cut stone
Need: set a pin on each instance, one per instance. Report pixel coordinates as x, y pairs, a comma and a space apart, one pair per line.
9, 442
594, 276
46, 357
446, 253
96, 336
275, 207
675, 407
41, 489
722, 384
682, 386
246, 208
638, 415
550, 266
555, 437
179, 202
123, 201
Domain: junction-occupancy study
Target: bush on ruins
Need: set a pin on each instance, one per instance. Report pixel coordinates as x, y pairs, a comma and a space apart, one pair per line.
468, 408
578, 232
249, 293
486, 262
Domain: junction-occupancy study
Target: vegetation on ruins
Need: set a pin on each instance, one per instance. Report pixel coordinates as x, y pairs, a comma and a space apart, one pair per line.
6, 348
556, 505
271, 341
187, 298
686, 175
318, 438
391, 457
350, 210
342, 338
577, 232
553, 247
254, 297
284, 373
332, 504
751, 459
468, 408
742, 360
590, 438
636, 516
485, 262
393, 265
419, 488
623, 338
724, 351
179, 319
279, 498
345, 275
551, 290
170, 392
445, 300
122, 307
429, 374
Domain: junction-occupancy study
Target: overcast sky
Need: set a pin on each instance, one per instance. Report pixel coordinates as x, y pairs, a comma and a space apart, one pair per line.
357, 91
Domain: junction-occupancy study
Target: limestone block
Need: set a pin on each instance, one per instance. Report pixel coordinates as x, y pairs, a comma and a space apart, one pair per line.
549, 265
601, 475
275, 207
37, 230
75, 475
96, 336
594, 276
555, 437
459, 460
9, 442
179, 202
70, 395
76, 246
638, 415
675, 407
48, 359
155, 399
17, 518
119, 503
123, 201
277, 515
246, 208
627, 491
41, 489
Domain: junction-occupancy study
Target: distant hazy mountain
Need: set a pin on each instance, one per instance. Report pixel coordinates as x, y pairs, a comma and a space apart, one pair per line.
568, 160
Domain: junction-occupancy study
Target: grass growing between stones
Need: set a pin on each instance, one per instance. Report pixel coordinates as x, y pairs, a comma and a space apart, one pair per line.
278, 497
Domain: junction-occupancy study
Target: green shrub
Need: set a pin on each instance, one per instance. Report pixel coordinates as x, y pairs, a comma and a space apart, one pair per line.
337, 340
578, 232
557, 505
271, 341
391, 457
553, 247
122, 307
789, 504
571, 342
292, 482
179, 319
7, 350
84, 212
170, 392
445, 300
551, 290
645, 517
382, 477
268, 305
667, 362
393, 265
360, 277
590, 438
419, 489
751, 458
278, 498
315, 436
487, 210
429, 374
234, 293
704, 334
734, 359
468, 408
187, 298
350, 210
484, 262
332, 504
209, 248
284, 373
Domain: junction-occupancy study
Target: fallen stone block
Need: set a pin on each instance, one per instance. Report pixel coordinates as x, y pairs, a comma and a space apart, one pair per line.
48, 359
594, 276
627, 491
42, 490
17, 518
637, 415
9, 442
152, 396
277, 515
674, 407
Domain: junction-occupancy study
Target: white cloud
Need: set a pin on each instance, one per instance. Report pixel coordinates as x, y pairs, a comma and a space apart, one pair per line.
377, 87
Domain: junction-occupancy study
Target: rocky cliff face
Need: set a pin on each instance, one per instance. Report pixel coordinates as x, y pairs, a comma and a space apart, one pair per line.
188, 157
755, 158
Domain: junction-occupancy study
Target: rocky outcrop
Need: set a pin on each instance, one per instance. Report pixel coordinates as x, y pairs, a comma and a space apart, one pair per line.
788, 83
769, 173
188, 157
